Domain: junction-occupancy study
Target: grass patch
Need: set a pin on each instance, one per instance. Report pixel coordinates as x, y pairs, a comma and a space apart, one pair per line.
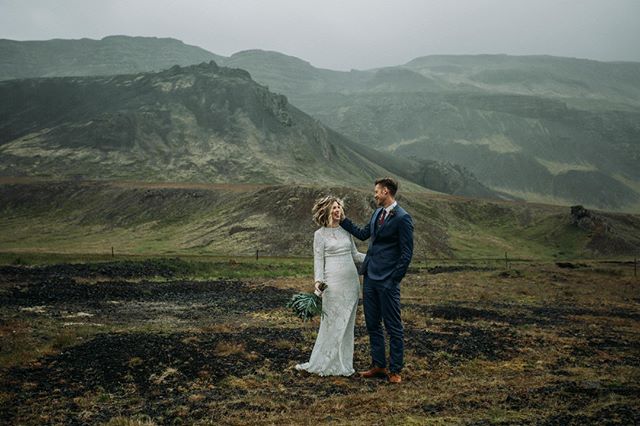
127, 421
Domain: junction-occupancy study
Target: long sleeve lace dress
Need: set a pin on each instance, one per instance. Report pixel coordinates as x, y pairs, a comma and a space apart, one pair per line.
335, 254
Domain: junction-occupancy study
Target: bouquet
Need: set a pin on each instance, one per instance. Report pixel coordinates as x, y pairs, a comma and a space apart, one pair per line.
308, 305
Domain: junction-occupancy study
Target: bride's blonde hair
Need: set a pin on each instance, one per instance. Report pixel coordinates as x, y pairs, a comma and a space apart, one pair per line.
321, 210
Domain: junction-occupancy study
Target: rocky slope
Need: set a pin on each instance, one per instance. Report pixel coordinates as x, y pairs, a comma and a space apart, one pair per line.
202, 123
199, 123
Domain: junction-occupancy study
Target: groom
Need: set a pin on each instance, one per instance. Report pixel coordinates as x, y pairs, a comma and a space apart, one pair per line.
390, 233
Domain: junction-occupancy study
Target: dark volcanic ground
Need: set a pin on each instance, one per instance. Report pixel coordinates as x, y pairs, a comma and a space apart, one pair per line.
125, 339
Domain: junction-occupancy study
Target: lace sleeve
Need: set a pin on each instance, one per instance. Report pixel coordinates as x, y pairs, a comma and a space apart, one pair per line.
357, 256
318, 257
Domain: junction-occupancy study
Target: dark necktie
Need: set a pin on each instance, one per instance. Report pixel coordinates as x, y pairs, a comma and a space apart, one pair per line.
381, 218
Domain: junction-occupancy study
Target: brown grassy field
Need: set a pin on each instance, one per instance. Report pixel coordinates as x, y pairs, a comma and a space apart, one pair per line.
534, 344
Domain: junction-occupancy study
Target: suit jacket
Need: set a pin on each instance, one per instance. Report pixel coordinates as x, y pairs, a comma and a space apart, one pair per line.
390, 247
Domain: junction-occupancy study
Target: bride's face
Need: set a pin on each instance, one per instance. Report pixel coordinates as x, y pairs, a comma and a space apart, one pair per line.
336, 212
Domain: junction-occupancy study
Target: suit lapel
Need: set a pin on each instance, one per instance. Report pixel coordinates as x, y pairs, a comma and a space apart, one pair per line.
375, 223
374, 219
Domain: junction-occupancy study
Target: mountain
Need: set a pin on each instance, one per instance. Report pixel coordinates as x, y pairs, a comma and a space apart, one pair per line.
533, 147
578, 82
292, 76
197, 123
201, 123
540, 128
109, 56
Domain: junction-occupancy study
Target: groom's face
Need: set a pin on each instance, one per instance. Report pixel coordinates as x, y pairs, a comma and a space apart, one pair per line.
381, 194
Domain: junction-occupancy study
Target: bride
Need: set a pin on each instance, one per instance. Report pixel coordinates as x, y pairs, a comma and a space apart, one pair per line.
334, 257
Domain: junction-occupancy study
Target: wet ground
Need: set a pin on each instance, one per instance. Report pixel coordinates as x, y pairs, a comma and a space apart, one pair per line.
85, 344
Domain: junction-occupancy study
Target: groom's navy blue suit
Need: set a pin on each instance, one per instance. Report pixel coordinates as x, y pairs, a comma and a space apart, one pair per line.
388, 257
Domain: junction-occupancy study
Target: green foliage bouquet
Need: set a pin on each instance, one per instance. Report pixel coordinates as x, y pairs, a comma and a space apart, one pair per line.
307, 305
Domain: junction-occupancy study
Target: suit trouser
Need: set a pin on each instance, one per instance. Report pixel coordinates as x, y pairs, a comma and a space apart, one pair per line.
381, 301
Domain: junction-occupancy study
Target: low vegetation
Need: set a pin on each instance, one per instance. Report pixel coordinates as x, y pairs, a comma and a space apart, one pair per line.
140, 219
165, 340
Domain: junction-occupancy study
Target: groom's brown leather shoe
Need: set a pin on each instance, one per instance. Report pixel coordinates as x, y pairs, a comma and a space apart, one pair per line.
374, 372
395, 378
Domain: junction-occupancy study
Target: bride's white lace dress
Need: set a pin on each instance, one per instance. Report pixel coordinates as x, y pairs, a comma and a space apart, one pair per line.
334, 254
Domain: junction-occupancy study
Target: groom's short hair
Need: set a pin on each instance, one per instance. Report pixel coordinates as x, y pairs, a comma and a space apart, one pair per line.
390, 183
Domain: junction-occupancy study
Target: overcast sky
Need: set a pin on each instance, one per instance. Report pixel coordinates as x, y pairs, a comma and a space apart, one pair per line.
345, 34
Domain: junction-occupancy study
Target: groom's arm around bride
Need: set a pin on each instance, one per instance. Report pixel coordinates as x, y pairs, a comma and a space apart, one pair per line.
390, 235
